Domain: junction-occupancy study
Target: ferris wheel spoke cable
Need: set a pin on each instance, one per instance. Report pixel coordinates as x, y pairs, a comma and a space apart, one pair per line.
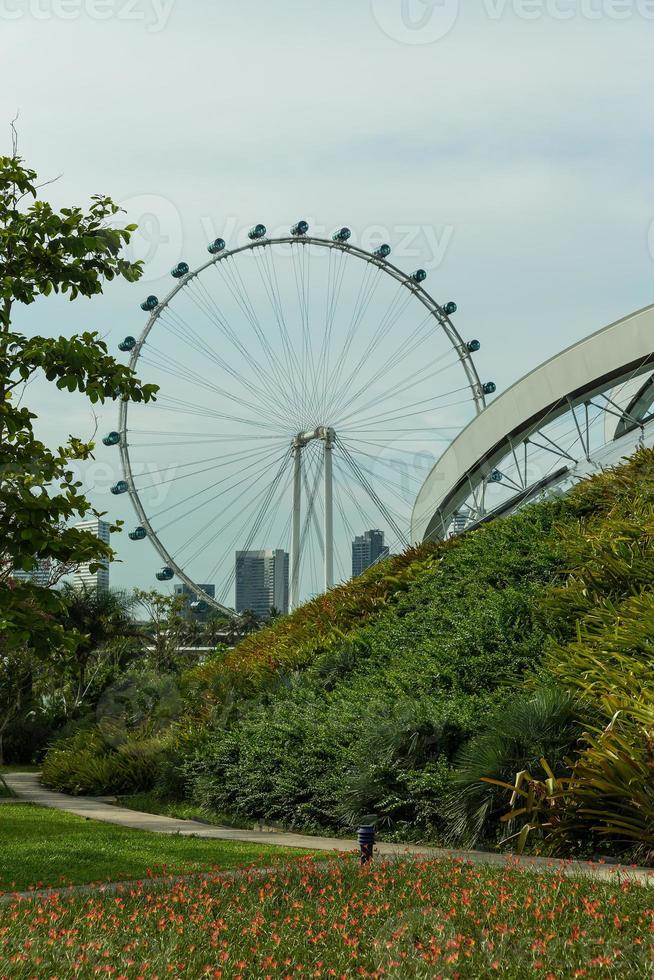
331, 306
304, 323
216, 570
222, 460
356, 470
342, 422
246, 508
264, 378
404, 496
262, 461
187, 335
394, 514
366, 518
388, 322
179, 327
425, 374
390, 364
422, 333
396, 449
408, 415
339, 510
299, 289
269, 289
234, 281
260, 516
413, 379
394, 465
411, 385
294, 368
212, 523
209, 306
207, 353
181, 371
343, 513
196, 439
395, 309
273, 382
304, 286
369, 519
408, 435
200, 437
367, 290
170, 403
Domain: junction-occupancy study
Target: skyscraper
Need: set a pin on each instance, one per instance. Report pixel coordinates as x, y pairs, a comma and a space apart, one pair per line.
83, 576
262, 581
195, 605
367, 548
459, 522
40, 575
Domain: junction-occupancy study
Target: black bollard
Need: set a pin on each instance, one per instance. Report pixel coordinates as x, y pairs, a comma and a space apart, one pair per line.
366, 839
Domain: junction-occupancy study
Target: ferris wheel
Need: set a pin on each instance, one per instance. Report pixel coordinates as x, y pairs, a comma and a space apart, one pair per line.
306, 387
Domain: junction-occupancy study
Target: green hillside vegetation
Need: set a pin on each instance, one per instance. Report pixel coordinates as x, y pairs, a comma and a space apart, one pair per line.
396, 693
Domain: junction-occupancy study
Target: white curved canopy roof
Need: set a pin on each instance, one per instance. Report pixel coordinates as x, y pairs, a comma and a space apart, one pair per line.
620, 351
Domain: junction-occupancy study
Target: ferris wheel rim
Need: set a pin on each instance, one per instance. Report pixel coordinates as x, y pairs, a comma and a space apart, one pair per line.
404, 279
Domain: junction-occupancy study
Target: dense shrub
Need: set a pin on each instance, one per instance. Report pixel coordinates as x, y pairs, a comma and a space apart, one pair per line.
89, 762
608, 657
397, 692
120, 748
602, 621
373, 721
545, 723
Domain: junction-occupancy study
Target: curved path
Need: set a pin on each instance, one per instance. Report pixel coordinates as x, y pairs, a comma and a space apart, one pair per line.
28, 789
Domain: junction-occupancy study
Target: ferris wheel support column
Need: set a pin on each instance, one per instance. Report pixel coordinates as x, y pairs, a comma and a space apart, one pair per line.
297, 513
329, 437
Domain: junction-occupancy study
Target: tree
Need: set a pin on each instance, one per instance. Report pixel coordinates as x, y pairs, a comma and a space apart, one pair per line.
248, 622
99, 618
42, 251
16, 694
166, 627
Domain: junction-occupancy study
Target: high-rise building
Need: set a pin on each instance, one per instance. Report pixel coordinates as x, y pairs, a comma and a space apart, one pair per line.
262, 581
195, 606
459, 522
84, 576
39, 575
367, 548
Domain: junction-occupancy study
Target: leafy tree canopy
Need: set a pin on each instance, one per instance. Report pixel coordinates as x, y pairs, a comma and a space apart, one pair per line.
42, 250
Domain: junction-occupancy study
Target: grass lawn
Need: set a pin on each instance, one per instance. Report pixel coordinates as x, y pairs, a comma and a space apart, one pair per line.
333, 919
47, 847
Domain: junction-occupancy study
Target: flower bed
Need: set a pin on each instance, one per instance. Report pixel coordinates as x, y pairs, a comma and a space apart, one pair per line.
307, 919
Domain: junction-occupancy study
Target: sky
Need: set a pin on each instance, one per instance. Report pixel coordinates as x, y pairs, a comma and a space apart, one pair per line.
505, 147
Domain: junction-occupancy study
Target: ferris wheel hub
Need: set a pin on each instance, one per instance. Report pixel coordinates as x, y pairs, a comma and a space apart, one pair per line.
323, 432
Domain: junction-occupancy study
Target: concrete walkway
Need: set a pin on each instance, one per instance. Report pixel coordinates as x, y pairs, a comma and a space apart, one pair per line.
28, 789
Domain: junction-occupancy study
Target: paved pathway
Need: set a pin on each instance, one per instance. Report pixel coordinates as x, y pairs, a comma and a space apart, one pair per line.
27, 788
